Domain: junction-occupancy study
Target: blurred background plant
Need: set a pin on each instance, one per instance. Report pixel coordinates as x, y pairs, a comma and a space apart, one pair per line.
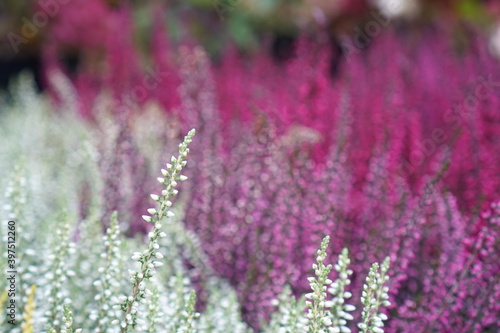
82, 28
373, 121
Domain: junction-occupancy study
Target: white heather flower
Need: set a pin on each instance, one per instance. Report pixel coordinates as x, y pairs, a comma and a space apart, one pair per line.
327, 321
373, 296
397, 8
147, 270
146, 218
349, 307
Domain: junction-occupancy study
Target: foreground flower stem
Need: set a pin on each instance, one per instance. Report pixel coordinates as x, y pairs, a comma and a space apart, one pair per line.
318, 315
373, 297
129, 305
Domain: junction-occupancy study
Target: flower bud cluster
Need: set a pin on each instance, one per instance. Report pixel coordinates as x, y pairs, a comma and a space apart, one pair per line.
339, 308
289, 316
375, 295
319, 317
332, 316
68, 321
108, 283
58, 274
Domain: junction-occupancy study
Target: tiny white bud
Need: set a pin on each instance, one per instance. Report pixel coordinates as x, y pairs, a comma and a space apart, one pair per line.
327, 321
349, 307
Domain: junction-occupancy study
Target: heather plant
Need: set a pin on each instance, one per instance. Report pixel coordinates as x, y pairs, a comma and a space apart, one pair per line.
340, 308
285, 153
79, 281
318, 314
374, 296
147, 258
75, 260
261, 187
288, 317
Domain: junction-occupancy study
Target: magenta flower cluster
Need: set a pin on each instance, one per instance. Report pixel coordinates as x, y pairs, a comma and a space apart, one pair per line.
396, 152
